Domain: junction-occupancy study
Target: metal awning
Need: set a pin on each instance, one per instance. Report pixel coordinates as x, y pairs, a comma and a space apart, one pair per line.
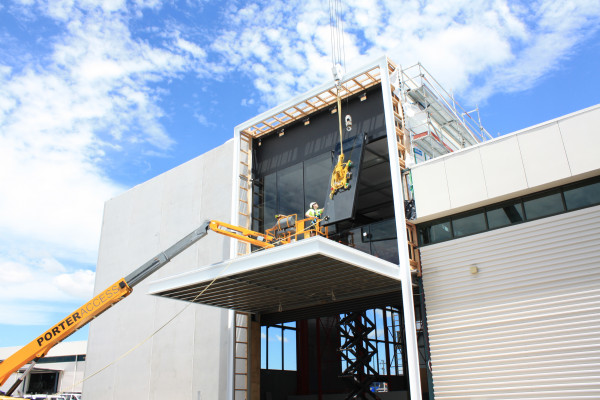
306, 273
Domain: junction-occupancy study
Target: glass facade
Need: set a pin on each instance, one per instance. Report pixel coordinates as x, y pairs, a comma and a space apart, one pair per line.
504, 215
379, 239
317, 175
468, 225
278, 347
544, 204
438, 231
290, 190
387, 338
580, 196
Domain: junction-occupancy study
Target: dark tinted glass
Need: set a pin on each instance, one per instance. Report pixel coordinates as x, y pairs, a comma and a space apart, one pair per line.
359, 239
435, 233
582, 196
56, 359
468, 225
270, 199
289, 185
543, 206
317, 177
383, 230
505, 215
386, 249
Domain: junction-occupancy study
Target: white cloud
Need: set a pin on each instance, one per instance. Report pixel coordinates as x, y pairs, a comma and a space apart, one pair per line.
33, 288
247, 102
203, 120
79, 284
91, 93
474, 48
278, 338
63, 117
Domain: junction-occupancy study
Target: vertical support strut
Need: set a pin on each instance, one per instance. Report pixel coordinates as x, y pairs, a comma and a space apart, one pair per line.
357, 351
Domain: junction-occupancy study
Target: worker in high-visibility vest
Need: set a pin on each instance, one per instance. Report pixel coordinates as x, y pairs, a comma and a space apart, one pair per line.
314, 211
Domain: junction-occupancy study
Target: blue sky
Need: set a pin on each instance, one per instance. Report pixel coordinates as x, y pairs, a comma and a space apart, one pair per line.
98, 96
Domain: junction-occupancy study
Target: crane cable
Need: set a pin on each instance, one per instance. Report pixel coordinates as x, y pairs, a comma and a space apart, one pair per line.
341, 173
338, 56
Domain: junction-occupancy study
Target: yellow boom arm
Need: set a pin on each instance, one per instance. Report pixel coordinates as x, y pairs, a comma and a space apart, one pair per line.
93, 308
119, 290
70, 324
240, 233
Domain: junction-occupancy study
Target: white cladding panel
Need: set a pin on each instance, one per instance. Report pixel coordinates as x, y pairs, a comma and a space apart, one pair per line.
527, 324
556, 152
581, 136
500, 179
466, 183
543, 155
431, 187
189, 358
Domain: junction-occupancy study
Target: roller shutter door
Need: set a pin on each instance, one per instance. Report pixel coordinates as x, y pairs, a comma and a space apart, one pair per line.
527, 324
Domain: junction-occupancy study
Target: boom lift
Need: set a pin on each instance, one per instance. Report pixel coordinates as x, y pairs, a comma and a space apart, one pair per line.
286, 230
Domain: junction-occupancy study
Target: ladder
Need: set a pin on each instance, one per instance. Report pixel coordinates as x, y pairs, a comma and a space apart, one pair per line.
240, 372
245, 192
242, 320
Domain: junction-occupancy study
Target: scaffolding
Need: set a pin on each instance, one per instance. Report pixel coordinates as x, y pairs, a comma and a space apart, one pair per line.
436, 123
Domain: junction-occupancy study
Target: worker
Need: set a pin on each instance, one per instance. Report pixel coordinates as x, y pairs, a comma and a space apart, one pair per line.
314, 211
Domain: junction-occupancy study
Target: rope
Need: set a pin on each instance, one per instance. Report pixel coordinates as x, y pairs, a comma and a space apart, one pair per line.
153, 333
166, 323
339, 106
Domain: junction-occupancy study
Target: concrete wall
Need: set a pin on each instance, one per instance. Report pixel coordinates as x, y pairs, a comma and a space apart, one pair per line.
546, 155
189, 358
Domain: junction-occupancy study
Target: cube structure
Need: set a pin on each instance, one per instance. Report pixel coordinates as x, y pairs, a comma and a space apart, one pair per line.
455, 266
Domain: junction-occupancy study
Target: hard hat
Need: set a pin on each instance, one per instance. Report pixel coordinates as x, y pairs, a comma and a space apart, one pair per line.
312, 204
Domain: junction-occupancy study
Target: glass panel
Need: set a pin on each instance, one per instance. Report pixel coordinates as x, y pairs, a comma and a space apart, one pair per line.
468, 225
374, 363
263, 347
290, 324
386, 249
435, 233
394, 361
543, 206
388, 320
371, 315
379, 325
289, 349
583, 196
397, 354
356, 239
505, 215
317, 177
289, 190
270, 197
383, 230
275, 356
382, 359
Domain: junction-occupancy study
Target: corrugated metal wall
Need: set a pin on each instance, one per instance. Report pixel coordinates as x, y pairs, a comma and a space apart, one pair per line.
527, 325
